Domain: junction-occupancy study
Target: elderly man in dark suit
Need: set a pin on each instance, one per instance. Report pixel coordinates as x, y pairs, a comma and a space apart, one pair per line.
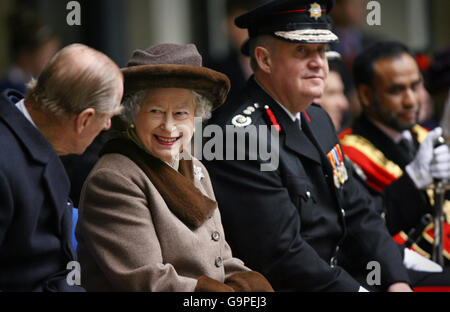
292, 223
72, 101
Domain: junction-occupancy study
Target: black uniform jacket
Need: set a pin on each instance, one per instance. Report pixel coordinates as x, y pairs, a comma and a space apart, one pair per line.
290, 223
404, 204
35, 218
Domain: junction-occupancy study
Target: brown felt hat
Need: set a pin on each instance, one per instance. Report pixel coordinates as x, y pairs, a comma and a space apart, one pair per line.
174, 66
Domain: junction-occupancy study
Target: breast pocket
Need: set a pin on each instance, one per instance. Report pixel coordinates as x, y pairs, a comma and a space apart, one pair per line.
304, 196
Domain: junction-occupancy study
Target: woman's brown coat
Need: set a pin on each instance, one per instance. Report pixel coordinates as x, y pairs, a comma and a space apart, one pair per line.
129, 239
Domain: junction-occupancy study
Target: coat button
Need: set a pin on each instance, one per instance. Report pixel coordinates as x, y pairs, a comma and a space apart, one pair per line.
343, 212
333, 262
308, 194
215, 236
219, 262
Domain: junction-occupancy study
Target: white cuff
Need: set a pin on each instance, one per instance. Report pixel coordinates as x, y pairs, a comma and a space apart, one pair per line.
417, 262
421, 176
362, 289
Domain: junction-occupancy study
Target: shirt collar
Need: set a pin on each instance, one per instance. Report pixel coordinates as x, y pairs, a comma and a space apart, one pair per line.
21, 106
294, 118
394, 135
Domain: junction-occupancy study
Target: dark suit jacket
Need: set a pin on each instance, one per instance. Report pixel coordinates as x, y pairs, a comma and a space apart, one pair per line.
289, 224
35, 218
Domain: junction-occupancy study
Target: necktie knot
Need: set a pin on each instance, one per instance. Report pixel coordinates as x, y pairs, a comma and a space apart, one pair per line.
408, 147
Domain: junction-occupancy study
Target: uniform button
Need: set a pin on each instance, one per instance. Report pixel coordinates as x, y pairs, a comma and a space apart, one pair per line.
337, 249
343, 212
308, 194
219, 262
215, 236
333, 262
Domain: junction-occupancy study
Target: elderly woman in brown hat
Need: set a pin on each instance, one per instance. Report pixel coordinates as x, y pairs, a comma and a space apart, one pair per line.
148, 218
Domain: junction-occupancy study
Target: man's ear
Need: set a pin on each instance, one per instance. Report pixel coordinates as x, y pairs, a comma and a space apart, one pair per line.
365, 95
84, 119
263, 57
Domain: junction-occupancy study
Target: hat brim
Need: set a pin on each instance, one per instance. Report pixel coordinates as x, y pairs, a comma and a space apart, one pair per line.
301, 36
207, 82
308, 36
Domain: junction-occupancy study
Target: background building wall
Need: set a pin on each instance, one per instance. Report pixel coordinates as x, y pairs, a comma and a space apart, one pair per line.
440, 22
406, 21
117, 27
4, 53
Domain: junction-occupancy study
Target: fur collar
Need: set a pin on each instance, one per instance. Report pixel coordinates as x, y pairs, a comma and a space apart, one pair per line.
177, 188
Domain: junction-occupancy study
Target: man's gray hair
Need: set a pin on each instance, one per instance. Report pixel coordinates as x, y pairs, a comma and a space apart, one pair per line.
132, 104
75, 79
265, 41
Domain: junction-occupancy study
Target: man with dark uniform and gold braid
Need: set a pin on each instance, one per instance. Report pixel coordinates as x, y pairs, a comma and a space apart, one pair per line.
398, 158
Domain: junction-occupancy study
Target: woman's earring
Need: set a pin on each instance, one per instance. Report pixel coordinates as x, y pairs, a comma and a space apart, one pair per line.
132, 126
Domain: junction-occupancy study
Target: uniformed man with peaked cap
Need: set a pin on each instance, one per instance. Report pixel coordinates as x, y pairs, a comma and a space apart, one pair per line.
292, 222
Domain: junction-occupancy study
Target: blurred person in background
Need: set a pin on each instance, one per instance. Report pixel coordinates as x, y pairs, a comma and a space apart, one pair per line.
348, 17
32, 44
438, 84
426, 109
334, 100
234, 64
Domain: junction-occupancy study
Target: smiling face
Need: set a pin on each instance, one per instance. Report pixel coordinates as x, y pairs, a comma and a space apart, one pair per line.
297, 73
396, 96
165, 121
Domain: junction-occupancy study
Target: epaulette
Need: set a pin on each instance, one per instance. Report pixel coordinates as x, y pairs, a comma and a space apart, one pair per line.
420, 133
244, 119
379, 170
272, 118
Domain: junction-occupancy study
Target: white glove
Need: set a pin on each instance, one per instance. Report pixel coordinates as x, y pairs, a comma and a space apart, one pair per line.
440, 165
362, 289
419, 169
416, 262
